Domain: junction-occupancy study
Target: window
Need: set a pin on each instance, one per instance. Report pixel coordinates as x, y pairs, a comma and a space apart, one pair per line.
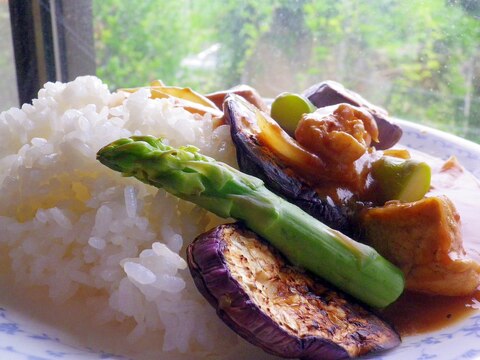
8, 89
418, 59
52, 41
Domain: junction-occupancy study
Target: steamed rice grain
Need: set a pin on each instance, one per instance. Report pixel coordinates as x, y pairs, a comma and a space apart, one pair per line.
79, 229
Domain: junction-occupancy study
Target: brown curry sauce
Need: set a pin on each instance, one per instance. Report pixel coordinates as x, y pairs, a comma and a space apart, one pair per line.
416, 313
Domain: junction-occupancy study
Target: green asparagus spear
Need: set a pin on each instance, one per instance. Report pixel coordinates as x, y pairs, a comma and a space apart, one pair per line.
355, 268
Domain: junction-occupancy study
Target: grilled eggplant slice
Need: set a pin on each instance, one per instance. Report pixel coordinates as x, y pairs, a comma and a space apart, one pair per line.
276, 306
258, 160
332, 93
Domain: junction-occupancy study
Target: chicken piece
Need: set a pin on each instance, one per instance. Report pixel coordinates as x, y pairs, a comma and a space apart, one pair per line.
423, 238
341, 132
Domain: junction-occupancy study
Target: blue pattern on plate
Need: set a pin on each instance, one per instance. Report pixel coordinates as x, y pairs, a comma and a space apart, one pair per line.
51, 348
462, 341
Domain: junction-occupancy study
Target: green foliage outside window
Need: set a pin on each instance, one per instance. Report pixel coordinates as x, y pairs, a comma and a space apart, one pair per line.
419, 59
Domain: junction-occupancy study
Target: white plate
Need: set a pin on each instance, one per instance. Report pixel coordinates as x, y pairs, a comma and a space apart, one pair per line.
25, 338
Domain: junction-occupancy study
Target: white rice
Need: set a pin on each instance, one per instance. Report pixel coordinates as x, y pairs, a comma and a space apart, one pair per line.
82, 230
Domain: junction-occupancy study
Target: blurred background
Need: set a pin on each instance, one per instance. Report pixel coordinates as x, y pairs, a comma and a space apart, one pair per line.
420, 59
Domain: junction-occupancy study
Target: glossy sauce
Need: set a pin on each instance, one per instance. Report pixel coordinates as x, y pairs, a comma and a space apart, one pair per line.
417, 313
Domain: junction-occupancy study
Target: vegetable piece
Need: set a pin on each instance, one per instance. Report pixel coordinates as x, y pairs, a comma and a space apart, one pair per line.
332, 93
357, 269
277, 307
404, 180
186, 94
245, 91
288, 108
186, 98
258, 160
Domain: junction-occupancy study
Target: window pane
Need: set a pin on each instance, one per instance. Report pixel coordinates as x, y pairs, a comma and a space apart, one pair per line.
8, 84
419, 59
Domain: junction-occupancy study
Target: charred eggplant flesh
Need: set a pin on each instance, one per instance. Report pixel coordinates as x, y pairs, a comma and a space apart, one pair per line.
276, 306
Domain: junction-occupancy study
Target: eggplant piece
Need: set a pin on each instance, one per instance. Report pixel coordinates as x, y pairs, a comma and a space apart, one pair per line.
245, 91
255, 159
332, 93
276, 306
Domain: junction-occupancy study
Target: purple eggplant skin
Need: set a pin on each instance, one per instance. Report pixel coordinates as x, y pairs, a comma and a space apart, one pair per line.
327, 326
257, 160
332, 93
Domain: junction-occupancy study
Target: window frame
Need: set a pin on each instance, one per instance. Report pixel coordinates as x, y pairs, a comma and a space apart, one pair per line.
46, 43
